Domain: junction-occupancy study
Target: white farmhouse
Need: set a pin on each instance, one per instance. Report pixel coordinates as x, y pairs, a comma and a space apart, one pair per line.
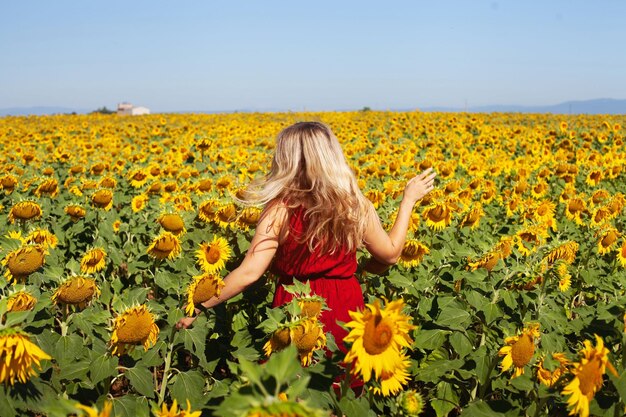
127, 109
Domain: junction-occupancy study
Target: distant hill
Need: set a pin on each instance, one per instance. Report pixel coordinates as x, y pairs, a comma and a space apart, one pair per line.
39, 111
597, 106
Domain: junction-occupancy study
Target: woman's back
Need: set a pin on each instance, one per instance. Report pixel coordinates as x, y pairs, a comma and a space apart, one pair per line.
330, 275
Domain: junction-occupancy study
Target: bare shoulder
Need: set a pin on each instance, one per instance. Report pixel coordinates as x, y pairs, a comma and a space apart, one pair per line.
273, 219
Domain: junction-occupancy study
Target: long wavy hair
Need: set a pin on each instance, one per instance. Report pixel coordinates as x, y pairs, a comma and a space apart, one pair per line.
309, 169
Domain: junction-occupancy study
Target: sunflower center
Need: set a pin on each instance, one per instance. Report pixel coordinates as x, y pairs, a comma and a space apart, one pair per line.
377, 335
213, 254
165, 245
206, 288
172, 223
590, 377
305, 340
77, 291
102, 198
26, 211
311, 308
609, 239
135, 328
522, 351
281, 338
26, 261
436, 214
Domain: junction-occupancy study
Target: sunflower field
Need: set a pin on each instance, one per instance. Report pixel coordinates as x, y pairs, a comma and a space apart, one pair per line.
509, 298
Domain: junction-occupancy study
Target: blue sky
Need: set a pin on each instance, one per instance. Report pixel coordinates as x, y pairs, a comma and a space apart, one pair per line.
322, 55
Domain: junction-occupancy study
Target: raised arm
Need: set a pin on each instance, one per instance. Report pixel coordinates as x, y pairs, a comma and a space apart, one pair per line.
255, 263
384, 247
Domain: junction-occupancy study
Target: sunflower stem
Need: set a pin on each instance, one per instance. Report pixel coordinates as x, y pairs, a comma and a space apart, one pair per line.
166, 369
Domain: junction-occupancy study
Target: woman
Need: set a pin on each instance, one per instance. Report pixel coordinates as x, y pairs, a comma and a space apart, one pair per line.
315, 219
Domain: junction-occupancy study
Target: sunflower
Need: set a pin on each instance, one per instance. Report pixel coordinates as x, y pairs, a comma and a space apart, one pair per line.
437, 215
621, 254
549, 377
249, 217
280, 339
138, 177
139, 202
108, 182
311, 306
284, 409
116, 225
49, 187
472, 218
588, 375
175, 412
23, 261
204, 185
565, 279
519, 350
93, 261
411, 403
103, 199
566, 252
391, 381
76, 291
607, 240
75, 212
25, 210
21, 301
207, 210
8, 183
377, 336
226, 216
600, 216
487, 261
212, 256
166, 245
135, 326
93, 411
529, 238
308, 336
594, 177
19, 356
172, 222
203, 288
413, 253
42, 237
575, 209
376, 197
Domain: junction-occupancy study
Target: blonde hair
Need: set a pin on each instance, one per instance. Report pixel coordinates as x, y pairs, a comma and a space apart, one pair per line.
310, 169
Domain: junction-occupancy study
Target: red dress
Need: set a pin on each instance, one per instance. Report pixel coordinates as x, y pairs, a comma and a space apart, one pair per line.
330, 276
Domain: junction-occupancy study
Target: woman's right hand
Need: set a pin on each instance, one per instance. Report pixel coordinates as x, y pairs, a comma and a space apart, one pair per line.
185, 322
420, 185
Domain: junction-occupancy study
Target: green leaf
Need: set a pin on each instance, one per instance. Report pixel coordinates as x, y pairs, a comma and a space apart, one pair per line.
130, 406
446, 399
461, 344
284, 365
141, 379
453, 318
430, 339
251, 371
479, 409
68, 349
355, 407
167, 281
188, 386
74, 370
492, 312
102, 367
